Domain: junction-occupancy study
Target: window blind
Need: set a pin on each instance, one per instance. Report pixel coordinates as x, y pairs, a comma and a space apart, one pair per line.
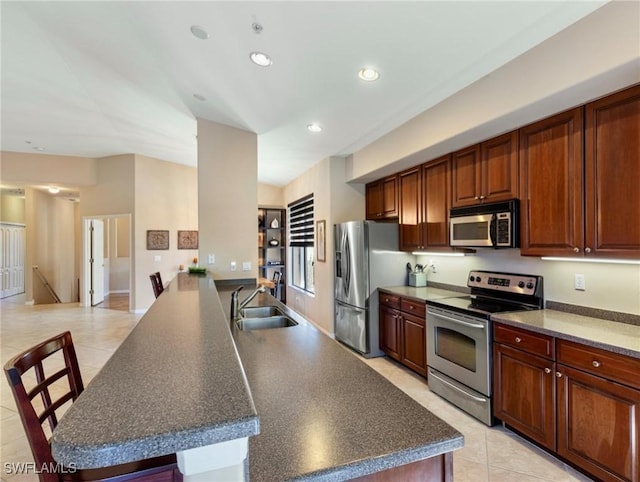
301, 222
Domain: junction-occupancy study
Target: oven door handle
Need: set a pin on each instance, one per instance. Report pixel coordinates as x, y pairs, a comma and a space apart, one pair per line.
473, 397
460, 322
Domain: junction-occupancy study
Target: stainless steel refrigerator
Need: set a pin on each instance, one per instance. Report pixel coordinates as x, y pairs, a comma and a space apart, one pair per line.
366, 258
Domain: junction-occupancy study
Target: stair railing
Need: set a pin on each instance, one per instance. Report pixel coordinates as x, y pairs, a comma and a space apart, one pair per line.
46, 284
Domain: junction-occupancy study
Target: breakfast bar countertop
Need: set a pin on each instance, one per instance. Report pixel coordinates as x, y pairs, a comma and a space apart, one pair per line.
324, 413
174, 384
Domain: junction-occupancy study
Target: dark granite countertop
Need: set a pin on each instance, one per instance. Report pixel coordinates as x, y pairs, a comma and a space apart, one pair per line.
613, 336
175, 383
324, 413
424, 293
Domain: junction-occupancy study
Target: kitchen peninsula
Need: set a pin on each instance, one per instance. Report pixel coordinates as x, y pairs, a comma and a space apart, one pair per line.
310, 409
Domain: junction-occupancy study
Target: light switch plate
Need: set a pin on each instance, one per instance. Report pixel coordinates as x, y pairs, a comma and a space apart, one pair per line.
246, 266
579, 282
212, 259
156, 257
233, 266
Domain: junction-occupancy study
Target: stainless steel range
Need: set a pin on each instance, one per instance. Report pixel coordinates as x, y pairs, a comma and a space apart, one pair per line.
459, 336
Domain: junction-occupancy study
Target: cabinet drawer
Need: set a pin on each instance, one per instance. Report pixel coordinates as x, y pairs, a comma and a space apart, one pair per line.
389, 300
613, 366
416, 308
525, 340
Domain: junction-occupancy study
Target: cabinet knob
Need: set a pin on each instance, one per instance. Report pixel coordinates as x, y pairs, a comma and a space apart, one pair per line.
558, 375
410, 307
595, 363
476, 198
483, 197
386, 300
547, 370
576, 250
518, 339
587, 250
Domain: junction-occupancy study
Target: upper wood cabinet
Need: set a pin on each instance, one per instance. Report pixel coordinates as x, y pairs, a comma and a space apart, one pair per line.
382, 199
486, 172
424, 206
612, 172
551, 180
576, 203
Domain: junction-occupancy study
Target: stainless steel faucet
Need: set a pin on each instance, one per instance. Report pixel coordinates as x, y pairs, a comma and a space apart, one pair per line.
236, 307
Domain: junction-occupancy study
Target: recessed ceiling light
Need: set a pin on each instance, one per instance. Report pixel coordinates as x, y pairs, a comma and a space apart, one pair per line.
201, 98
199, 32
258, 58
39, 148
28, 142
314, 127
54, 190
368, 74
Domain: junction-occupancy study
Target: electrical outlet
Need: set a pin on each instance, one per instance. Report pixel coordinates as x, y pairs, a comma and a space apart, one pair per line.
233, 266
157, 257
434, 269
212, 259
579, 282
246, 266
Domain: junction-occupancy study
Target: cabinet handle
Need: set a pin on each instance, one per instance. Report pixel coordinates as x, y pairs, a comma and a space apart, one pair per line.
518, 339
587, 250
595, 363
547, 370
576, 250
558, 375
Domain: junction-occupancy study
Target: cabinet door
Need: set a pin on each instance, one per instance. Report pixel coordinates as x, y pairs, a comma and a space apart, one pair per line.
524, 393
435, 179
465, 177
598, 426
499, 168
410, 210
612, 161
390, 197
551, 191
382, 199
373, 200
390, 332
415, 343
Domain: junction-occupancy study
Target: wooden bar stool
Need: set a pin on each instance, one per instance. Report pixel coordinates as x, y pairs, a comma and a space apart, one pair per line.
164, 467
156, 284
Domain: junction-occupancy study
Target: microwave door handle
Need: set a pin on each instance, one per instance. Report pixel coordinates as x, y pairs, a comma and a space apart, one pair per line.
492, 229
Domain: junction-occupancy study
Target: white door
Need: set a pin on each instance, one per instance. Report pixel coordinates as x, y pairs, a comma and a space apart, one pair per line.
12, 247
96, 261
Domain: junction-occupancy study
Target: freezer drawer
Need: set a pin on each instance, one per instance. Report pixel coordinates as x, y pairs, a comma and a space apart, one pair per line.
352, 327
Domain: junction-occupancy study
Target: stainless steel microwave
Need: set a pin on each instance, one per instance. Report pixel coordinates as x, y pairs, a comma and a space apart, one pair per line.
491, 225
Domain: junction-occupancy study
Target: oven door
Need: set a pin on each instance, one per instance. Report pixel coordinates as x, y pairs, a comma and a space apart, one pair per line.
458, 346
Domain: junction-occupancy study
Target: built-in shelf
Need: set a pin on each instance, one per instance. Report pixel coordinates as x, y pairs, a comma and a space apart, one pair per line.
272, 259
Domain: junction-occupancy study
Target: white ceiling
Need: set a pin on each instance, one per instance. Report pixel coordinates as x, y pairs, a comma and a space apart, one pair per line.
102, 78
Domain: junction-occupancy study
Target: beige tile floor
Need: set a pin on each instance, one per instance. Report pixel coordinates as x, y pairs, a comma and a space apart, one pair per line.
489, 454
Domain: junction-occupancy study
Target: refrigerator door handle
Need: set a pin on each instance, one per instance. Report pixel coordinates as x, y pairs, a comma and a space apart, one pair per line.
347, 271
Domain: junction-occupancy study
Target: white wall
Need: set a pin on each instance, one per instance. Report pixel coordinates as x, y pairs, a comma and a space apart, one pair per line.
593, 57
227, 199
614, 287
335, 201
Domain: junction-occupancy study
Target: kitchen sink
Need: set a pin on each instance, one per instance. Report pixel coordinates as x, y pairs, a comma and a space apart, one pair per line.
265, 322
261, 312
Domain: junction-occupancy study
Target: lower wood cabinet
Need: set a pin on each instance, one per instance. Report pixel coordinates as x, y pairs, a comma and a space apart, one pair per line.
582, 403
525, 393
403, 332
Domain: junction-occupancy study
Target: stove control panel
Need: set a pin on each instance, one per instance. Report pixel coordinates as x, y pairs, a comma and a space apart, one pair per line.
505, 282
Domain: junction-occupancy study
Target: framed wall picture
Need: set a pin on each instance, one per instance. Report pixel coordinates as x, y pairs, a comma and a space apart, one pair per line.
187, 239
157, 239
321, 241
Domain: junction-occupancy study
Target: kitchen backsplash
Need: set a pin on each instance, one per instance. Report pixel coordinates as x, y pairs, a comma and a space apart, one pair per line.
608, 286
